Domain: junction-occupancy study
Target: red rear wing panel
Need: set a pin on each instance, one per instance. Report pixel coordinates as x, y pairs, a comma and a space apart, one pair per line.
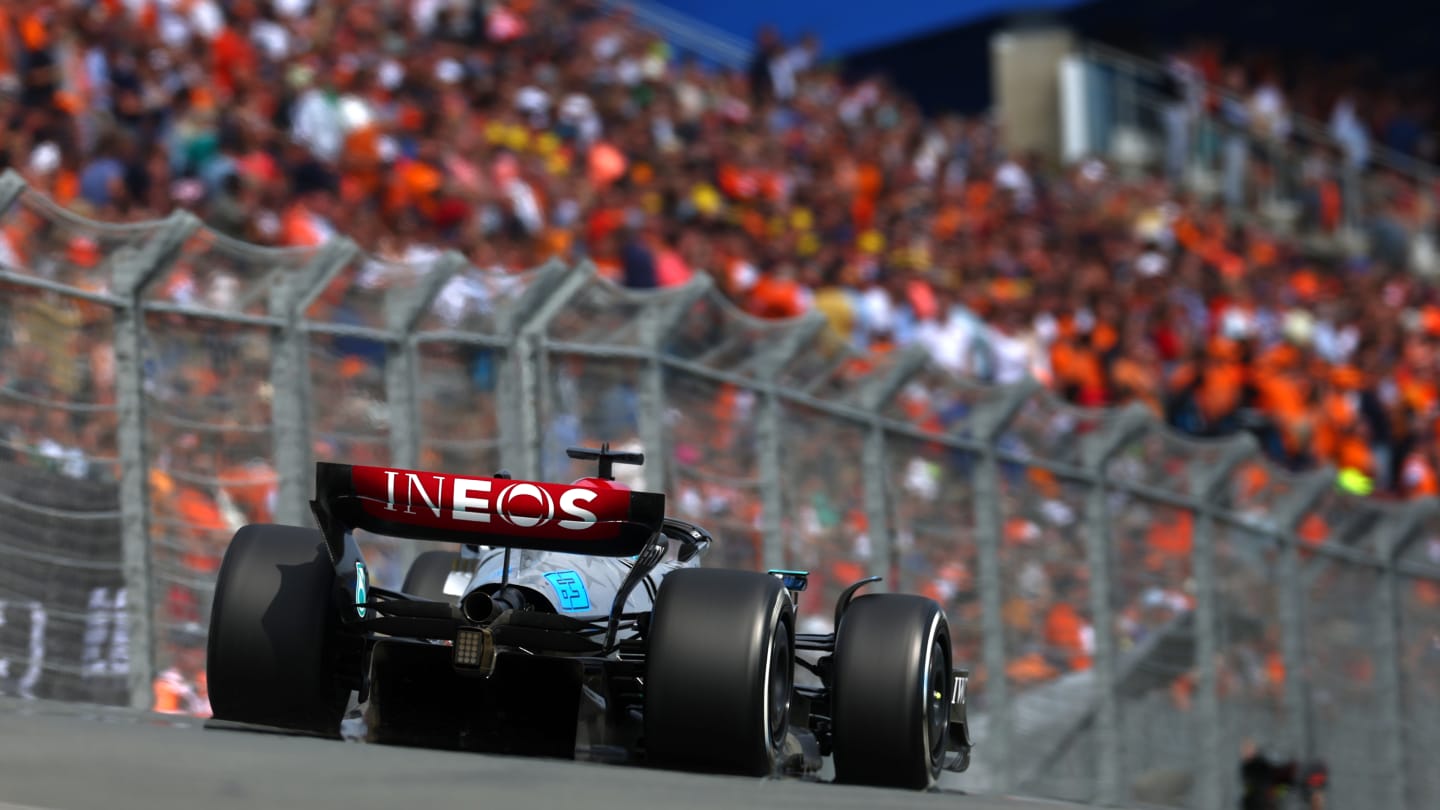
488, 511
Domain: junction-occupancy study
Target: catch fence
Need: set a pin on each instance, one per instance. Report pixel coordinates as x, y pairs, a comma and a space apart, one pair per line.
1133, 603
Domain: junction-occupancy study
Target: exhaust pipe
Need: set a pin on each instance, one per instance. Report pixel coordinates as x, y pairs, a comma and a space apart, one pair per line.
480, 607
477, 606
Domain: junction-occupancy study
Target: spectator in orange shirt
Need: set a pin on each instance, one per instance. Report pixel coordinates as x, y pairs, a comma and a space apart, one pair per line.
181, 687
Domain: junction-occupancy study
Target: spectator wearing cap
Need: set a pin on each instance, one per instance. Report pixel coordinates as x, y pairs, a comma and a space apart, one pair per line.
181, 688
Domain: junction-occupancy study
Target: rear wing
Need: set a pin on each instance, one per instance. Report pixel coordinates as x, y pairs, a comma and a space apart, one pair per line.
447, 508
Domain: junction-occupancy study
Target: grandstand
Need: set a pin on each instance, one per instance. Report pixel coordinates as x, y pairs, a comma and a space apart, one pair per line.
793, 189
382, 182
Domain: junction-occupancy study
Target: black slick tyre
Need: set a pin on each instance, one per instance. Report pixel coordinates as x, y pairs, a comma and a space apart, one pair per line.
272, 651
719, 671
890, 699
427, 575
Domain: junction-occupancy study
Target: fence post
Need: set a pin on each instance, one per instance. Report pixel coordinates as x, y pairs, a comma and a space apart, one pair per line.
1288, 512
657, 322
1215, 771
511, 416
523, 408
133, 272
1120, 430
403, 309
11, 187
772, 497
768, 363
290, 377
1395, 536
873, 397
986, 425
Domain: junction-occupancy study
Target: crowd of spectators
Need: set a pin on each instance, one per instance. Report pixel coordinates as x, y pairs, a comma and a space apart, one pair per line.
518, 131
514, 131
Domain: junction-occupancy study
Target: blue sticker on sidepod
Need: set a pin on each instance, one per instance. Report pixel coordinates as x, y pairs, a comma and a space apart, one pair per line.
571, 590
362, 588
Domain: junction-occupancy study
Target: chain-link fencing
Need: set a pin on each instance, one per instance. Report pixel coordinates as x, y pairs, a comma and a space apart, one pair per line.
1134, 605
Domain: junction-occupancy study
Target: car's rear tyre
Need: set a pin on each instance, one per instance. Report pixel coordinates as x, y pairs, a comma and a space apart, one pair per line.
272, 648
427, 575
890, 700
719, 671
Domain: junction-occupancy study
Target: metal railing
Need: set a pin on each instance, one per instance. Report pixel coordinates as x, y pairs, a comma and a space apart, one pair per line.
1128, 117
686, 33
1309, 130
1134, 603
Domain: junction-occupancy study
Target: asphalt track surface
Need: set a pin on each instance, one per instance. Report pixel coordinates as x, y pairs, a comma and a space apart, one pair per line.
71, 757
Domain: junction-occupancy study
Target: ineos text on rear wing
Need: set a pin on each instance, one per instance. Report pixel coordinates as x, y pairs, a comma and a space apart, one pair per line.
448, 508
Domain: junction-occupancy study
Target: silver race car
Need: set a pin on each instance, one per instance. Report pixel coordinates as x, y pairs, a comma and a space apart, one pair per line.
574, 621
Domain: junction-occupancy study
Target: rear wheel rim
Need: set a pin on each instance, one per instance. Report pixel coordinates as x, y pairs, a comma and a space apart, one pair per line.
778, 704
936, 716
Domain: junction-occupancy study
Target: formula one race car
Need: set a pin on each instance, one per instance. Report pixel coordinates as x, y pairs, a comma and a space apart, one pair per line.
574, 622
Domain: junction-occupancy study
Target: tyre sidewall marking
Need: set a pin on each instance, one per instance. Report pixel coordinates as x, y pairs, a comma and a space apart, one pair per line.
777, 613
931, 636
